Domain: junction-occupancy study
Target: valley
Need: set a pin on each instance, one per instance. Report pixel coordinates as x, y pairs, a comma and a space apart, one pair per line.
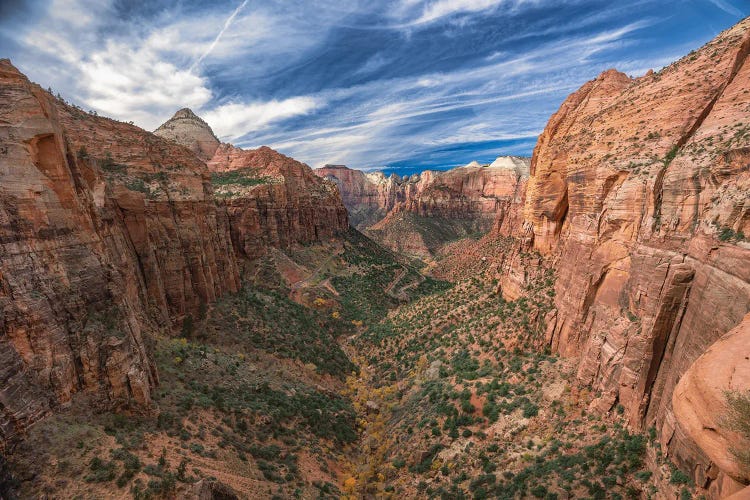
184, 318
257, 394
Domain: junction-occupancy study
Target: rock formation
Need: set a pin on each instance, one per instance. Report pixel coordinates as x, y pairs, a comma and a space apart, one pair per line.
274, 200
92, 258
472, 191
189, 130
639, 195
699, 403
110, 233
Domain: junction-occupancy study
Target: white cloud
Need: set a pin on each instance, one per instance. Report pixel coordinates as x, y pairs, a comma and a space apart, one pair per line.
373, 64
727, 7
442, 8
136, 74
233, 120
137, 84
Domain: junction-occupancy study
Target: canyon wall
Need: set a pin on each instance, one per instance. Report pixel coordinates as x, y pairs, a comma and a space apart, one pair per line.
284, 204
110, 234
472, 191
639, 194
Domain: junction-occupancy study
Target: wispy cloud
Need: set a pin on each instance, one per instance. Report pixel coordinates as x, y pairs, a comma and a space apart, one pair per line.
232, 120
441, 8
429, 82
215, 41
727, 7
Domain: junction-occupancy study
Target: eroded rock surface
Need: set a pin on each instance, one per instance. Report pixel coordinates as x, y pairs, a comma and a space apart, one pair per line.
189, 130
701, 414
109, 234
274, 200
472, 191
640, 194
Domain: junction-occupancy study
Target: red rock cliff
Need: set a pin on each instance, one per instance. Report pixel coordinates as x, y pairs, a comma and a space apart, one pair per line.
639, 194
274, 200
465, 192
108, 233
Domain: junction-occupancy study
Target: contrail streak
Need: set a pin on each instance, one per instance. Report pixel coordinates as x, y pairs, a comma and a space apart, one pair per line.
227, 23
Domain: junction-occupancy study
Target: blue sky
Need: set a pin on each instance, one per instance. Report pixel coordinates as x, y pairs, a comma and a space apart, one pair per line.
407, 84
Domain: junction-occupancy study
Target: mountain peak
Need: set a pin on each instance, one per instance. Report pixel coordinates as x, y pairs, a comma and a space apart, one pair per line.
190, 130
185, 113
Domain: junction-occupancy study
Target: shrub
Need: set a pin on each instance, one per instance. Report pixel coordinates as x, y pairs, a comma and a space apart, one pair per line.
530, 410
101, 471
678, 477
241, 177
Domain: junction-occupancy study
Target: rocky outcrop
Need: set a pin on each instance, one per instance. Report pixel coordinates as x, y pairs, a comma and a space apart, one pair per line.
473, 191
274, 200
211, 490
189, 130
701, 415
638, 194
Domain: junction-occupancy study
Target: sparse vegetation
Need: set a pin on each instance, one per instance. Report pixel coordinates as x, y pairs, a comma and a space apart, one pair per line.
738, 420
240, 177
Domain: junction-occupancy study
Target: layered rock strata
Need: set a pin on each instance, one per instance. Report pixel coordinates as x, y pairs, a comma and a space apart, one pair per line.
274, 200
472, 191
639, 194
189, 130
109, 234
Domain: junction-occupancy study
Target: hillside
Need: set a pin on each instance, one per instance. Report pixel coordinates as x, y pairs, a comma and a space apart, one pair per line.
643, 214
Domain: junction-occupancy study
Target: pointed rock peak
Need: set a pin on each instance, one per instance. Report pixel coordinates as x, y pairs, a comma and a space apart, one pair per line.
473, 164
10, 72
613, 77
190, 130
185, 113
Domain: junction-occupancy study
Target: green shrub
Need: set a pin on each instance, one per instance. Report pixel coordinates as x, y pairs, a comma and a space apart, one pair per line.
240, 177
101, 471
678, 477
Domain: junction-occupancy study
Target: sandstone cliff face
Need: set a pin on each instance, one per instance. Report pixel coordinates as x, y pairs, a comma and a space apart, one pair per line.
634, 184
108, 233
274, 200
699, 403
466, 192
189, 130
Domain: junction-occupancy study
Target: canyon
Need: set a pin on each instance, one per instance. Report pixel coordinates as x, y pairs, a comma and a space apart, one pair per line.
574, 303
417, 214
463, 192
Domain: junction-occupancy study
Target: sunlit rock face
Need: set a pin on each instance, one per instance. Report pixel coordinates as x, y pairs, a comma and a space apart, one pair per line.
639, 193
189, 130
701, 418
111, 234
472, 191
286, 204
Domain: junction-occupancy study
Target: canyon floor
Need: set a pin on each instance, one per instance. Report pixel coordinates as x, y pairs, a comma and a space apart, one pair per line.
344, 370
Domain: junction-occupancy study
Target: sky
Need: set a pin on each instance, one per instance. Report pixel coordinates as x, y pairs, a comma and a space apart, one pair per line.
397, 84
